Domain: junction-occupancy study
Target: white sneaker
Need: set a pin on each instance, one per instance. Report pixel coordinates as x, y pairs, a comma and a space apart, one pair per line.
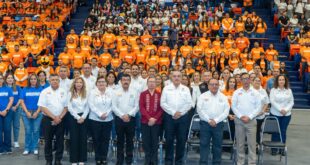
36, 152
16, 145
26, 152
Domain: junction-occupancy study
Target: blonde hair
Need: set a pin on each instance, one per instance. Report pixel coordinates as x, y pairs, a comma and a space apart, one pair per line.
74, 93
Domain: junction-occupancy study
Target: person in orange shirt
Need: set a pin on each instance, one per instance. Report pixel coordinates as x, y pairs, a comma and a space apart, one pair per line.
116, 62
146, 37
215, 26
233, 61
72, 36
239, 24
208, 51
256, 51
25, 49
36, 50
222, 49
85, 39
227, 25
71, 45
96, 43
85, 48
204, 26
174, 51
132, 38
123, 47
152, 60
260, 29
222, 61
91, 56
163, 48
271, 52
29, 37
204, 40
263, 63
121, 38
164, 60
242, 42
129, 56
150, 46
5, 57
244, 55
17, 57
217, 43
229, 41
249, 63
78, 59
21, 75
234, 49
105, 58
3, 67
11, 44
65, 57
141, 55
109, 39
275, 63
189, 69
198, 50
186, 49
136, 47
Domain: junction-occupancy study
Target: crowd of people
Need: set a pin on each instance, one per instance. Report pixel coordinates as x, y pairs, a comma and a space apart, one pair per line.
294, 22
140, 72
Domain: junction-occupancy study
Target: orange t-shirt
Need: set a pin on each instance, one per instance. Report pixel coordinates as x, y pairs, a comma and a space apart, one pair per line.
105, 59
228, 43
65, 58
233, 63
228, 94
152, 61
242, 43
6, 58
270, 54
20, 73
3, 67
227, 23
164, 61
17, 57
204, 42
108, 39
198, 50
256, 52
185, 50
141, 57
249, 65
78, 60
129, 57
71, 48
148, 48
216, 44
84, 38
116, 62
239, 26
261, 28
145, 39
162, 49
132, 40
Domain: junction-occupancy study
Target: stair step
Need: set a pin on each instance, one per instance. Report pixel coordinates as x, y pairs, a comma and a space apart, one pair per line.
297, 88
302, 106
301, 101
301, 95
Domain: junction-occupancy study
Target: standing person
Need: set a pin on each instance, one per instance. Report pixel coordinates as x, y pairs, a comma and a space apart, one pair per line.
125, 106
6, 101
31, 114
203, 87
78, 109
264, 105
65, 82
282, 101
151, 120
53, 104
246, 107
212, 108
43, 79
100, 119
176, 101
88, 78
10, 82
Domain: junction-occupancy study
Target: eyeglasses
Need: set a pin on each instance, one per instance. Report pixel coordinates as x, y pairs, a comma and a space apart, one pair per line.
213, 84
246, 79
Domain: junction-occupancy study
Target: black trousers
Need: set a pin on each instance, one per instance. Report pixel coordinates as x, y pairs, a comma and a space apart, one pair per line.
78, 140
258, 129
125, 131
175, 129
49, 132
150, 140
101, 133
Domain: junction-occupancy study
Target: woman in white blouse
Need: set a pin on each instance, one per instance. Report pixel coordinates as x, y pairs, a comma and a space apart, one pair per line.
100, 119
264, 105
78, 109
282, 101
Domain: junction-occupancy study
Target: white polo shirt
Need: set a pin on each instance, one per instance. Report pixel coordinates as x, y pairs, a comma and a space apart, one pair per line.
212, 106
54, 100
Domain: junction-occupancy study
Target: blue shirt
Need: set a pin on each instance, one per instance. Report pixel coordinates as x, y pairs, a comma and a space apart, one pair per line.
5, 94
270, 83
47, 84
30, 95
16, 94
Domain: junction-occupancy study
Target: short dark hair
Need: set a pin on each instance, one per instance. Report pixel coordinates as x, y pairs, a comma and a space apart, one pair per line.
126, 76
244, 74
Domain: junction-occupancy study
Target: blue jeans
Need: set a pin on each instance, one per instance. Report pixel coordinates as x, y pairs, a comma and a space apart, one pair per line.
206, 134
32, 132
5, 133
284, 121
175, 129
306, 81
260, 35
16, 123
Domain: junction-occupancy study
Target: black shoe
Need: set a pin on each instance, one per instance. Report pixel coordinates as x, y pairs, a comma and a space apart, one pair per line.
104, 163
98, 163
281, 152
48, 163
118, 163
57, 162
